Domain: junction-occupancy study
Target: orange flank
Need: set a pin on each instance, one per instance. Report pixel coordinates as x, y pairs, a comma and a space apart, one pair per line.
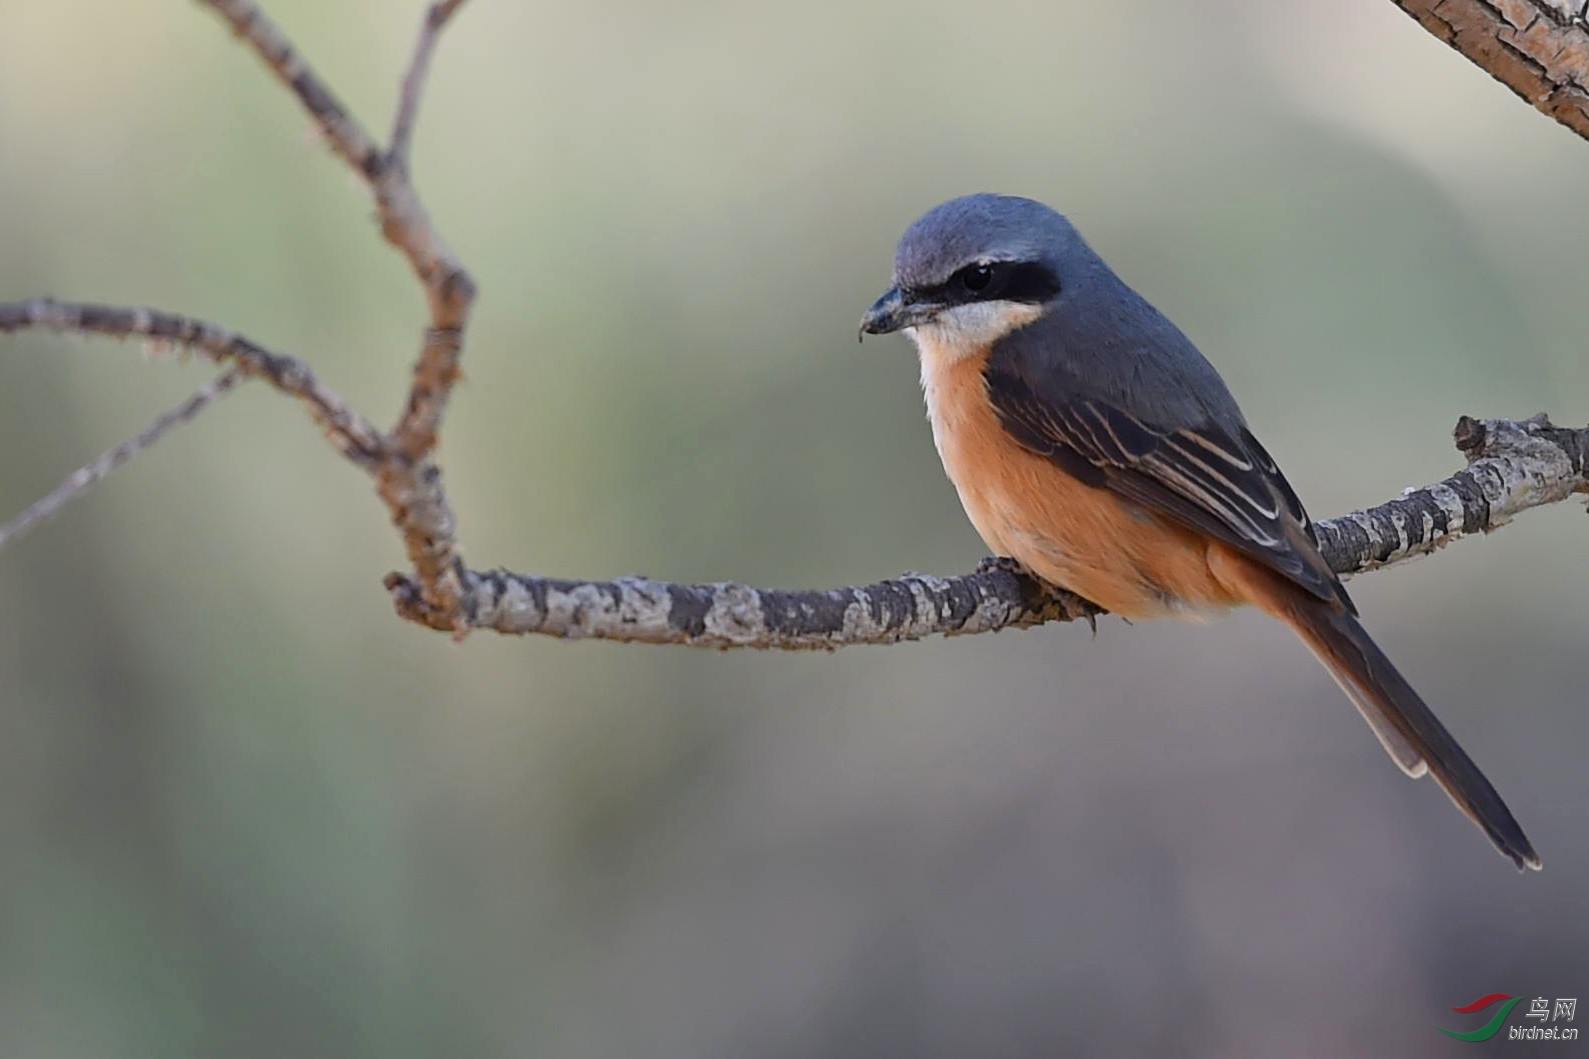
1122, 557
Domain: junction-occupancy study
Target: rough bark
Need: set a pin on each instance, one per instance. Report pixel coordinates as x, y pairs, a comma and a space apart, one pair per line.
1537, 48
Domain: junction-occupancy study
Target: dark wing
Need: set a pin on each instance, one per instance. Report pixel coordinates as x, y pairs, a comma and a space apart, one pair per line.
1206, 478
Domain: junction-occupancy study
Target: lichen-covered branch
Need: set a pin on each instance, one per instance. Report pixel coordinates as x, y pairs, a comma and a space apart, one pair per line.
727, 614
1537, 48
1512, 466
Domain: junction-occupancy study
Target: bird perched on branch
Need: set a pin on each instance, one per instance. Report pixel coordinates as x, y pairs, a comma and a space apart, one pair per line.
1090, 441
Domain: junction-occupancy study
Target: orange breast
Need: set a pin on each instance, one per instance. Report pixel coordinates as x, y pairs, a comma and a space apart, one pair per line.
1122, 557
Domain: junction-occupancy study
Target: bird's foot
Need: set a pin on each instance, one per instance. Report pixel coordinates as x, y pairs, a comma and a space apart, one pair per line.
1045, 593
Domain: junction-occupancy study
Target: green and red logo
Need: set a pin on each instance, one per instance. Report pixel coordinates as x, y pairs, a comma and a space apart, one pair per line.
1490, 1028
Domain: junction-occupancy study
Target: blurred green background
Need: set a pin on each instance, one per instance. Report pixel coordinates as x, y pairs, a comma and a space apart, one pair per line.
244, 811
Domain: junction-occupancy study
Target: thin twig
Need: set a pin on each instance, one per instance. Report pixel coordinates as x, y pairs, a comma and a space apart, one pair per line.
341, 129
79, 481
414, 82
350, 432
1512, 467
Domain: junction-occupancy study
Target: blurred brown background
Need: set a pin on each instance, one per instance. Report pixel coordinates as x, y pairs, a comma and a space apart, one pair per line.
246, 812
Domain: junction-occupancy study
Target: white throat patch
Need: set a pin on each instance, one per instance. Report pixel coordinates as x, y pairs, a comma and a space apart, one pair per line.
966, 330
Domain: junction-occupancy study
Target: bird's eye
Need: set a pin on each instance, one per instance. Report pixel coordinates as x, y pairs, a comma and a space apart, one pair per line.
976, 279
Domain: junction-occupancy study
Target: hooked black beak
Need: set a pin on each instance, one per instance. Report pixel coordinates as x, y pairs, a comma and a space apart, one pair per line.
895, 312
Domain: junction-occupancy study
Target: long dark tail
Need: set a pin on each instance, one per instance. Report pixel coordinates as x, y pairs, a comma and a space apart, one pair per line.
1411, 734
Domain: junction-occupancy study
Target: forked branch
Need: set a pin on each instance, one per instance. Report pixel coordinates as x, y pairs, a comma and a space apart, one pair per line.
407, 478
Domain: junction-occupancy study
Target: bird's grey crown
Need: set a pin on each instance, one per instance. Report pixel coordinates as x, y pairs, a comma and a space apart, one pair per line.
983, 227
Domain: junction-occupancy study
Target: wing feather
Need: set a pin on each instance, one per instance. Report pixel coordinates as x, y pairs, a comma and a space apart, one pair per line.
1208, 478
